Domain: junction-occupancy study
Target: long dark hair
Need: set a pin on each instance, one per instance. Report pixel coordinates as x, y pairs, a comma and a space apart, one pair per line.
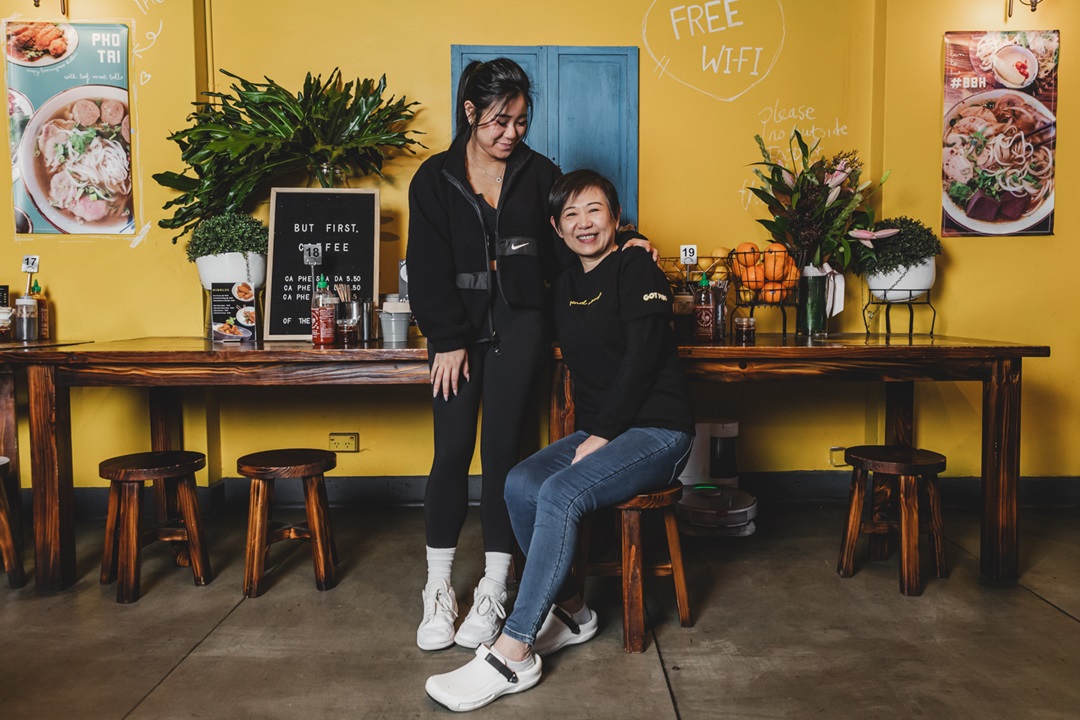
490, 84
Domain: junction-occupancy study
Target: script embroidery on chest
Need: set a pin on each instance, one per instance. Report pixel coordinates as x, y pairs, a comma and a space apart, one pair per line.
586, 302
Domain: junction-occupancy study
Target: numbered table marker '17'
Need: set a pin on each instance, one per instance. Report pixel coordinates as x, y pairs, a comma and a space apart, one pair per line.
30, 264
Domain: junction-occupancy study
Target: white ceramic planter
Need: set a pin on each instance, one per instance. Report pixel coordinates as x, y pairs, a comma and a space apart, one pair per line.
232, 268
904, 284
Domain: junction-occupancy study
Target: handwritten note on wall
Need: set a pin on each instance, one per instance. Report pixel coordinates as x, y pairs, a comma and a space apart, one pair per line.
721, 48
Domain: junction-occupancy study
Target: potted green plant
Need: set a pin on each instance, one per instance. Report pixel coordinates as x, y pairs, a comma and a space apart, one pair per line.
228, 248
899, 260
241, 139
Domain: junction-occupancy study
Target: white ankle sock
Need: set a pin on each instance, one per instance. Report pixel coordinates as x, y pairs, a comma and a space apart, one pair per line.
439, 563
515, 665
582, 616
497, 567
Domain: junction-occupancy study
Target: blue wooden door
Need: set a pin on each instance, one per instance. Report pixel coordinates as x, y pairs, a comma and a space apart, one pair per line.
585, 107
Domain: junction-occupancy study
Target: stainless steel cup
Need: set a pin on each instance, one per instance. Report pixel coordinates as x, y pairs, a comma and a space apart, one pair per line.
351, 310
365, 321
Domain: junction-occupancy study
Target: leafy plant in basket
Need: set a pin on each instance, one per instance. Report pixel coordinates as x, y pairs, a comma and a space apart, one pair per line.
241, 139
814, 202
909, 244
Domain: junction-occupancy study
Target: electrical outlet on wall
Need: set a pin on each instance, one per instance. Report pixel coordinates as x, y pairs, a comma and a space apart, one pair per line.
836, 456
345, 441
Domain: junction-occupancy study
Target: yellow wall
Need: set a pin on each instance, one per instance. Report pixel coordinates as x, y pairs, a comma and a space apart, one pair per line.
868, 71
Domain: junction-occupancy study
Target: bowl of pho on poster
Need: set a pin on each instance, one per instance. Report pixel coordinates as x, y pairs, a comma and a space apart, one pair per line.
994, 181
75, 160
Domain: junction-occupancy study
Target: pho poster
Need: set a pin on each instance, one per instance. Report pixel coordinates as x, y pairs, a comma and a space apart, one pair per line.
68, 104
999, 134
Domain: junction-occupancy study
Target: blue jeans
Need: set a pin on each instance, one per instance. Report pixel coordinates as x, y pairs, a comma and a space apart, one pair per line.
547, 497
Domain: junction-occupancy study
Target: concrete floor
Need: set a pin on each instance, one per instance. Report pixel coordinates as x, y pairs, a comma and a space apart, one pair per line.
776, 634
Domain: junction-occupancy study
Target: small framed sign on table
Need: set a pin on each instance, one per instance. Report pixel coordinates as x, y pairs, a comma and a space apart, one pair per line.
343, 226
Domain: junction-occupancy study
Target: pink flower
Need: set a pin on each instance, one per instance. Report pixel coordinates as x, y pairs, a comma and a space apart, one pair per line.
788, 178
833, 194
866, 237
836, 178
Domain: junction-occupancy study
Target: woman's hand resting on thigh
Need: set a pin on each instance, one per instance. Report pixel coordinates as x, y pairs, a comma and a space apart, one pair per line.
591, 445
447, 369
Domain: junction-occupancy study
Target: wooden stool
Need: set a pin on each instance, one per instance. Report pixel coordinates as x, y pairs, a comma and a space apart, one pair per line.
9, 546
905, 467
632, 568
265, 467
123, 541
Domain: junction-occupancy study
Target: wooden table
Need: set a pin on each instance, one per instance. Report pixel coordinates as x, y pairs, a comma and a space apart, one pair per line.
163, 365
898, 361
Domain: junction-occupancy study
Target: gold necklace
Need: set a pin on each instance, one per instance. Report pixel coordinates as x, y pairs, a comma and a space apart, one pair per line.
481, 169
496, 179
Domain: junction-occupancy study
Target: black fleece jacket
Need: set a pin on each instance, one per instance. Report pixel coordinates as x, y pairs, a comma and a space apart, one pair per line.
450, 281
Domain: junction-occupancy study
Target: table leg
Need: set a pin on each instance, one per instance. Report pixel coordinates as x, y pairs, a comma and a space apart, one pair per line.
9, 448
1000, 553
50, 476
900, 413
166, 433
899, 430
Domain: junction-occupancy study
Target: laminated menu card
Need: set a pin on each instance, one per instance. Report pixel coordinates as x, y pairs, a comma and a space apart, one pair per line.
234, 314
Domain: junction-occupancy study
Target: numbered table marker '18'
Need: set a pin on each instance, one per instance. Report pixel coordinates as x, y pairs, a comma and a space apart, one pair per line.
318, 231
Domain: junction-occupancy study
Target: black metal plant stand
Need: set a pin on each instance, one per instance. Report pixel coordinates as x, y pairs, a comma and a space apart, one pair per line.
916, 297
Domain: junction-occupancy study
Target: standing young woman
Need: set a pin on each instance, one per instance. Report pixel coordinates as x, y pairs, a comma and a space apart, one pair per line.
480, 251
634, 431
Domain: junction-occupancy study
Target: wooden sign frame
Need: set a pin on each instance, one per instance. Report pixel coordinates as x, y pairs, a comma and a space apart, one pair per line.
344, 222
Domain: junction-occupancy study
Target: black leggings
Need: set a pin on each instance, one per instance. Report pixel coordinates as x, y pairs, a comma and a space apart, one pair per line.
504, 383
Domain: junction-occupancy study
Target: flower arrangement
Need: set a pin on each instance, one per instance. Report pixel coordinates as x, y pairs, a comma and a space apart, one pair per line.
814, 203
899, 242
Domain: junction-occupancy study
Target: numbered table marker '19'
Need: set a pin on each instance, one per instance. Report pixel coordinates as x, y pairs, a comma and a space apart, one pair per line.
688, 254
318, 231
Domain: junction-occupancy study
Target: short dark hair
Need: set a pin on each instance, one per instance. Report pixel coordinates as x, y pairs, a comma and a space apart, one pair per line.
573, 183
490, 84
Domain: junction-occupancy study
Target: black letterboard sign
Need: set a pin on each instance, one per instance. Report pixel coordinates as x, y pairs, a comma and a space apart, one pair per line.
344, 225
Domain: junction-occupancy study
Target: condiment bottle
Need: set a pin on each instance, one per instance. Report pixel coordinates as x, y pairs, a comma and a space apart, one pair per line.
683, 308
43, 310
323, 313
704, 311
26, 318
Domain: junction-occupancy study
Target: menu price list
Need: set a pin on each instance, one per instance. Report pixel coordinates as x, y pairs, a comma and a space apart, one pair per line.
233, 313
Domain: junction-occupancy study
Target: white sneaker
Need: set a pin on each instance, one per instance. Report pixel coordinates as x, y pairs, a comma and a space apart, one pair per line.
440, 610
480, 681
484, 621
560, 630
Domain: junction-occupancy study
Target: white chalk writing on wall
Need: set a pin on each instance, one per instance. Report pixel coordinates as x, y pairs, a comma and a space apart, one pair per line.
720, 48
777, 122
138, 52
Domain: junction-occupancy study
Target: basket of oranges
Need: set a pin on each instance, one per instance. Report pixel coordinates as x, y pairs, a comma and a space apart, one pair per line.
764, 277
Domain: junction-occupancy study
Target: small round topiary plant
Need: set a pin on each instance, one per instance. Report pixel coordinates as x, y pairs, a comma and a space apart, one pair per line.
911, 246
228, 232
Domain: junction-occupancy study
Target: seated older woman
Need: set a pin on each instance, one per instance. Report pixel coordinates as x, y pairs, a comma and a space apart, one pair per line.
634, 431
